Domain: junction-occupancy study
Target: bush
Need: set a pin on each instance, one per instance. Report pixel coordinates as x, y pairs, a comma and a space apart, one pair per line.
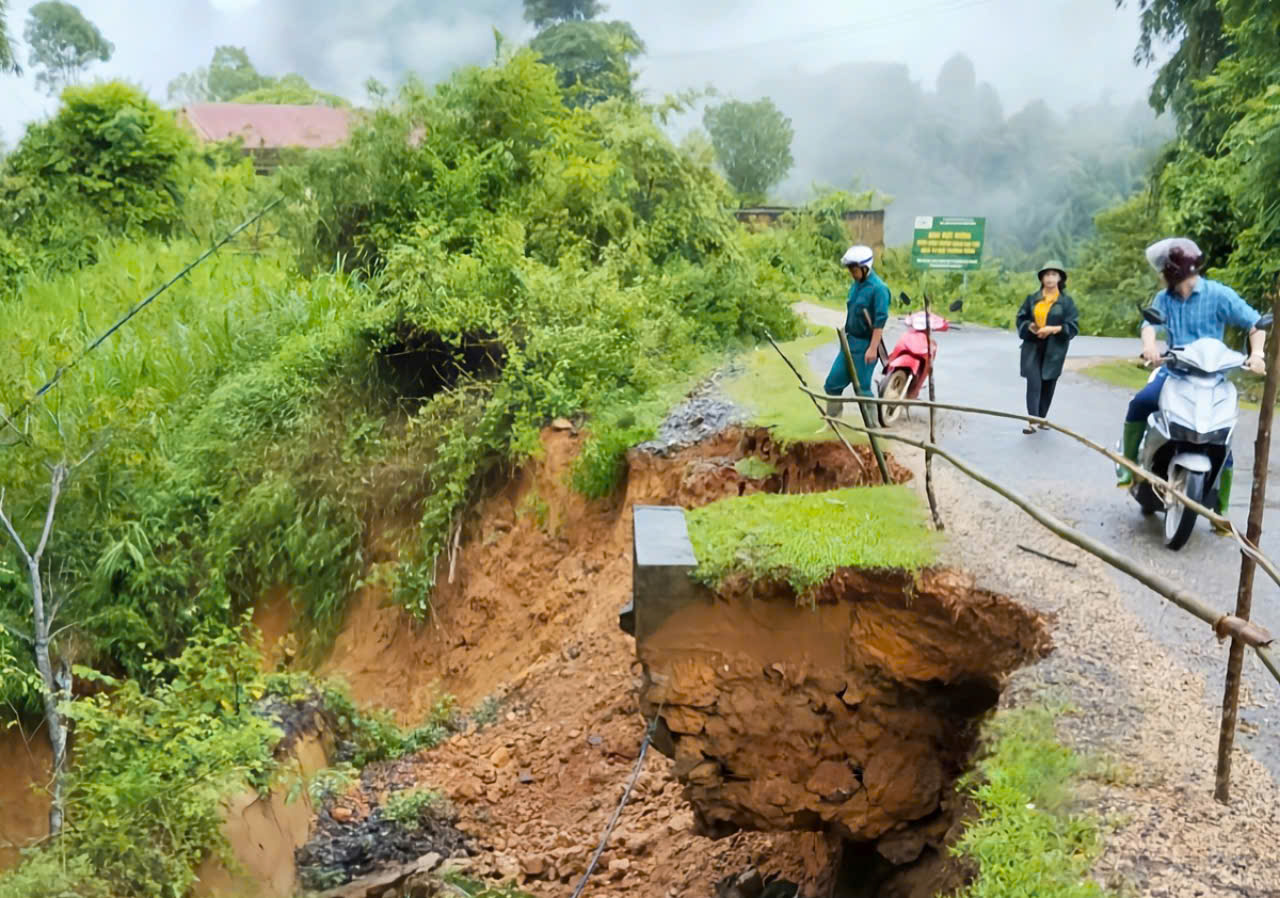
1026, 840
110, 163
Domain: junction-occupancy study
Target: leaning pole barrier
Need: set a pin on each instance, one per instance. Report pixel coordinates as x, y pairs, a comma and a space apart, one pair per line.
1224, 625
1253, 533
805, 386
1245, 546
866, 414
928, 456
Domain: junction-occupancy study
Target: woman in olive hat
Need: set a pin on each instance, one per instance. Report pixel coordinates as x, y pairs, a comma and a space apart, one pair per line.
1046, 323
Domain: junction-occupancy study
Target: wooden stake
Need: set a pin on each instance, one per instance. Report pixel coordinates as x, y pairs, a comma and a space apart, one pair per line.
1244, 594
812, 398
1159, 483
866, 413
928, 455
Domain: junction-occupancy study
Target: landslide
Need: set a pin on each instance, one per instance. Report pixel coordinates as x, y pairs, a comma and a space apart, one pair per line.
528, 629
858, 735
534, 559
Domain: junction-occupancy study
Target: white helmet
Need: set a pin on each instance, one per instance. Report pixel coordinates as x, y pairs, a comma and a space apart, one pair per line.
857, 255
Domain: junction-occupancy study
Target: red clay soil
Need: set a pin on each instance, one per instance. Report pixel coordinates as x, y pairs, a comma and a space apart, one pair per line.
536, 559
532, 616
853, 716
26, 760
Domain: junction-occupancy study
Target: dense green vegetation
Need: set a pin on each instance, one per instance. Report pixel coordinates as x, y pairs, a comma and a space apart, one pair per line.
527, 260
156, 753
399, 330
1027, 839
1216, 181
803, 538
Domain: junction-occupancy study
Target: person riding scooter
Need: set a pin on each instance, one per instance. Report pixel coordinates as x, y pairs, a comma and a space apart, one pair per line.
868, 311
1192, 307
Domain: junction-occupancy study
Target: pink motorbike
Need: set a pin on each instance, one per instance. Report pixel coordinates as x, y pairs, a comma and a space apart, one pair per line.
909, 365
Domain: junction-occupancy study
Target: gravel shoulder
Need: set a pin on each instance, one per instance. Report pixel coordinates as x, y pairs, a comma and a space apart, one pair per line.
1138, 715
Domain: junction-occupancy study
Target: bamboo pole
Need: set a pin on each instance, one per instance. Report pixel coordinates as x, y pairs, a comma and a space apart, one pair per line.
1250, 633
866, 416
1244, 595
928, 456
1208, 514
821, 412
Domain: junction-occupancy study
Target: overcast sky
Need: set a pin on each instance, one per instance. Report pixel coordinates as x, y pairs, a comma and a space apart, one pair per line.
1064, 51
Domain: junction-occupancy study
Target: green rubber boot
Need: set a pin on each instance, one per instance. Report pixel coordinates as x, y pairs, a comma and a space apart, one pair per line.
1133, 431
1224, 490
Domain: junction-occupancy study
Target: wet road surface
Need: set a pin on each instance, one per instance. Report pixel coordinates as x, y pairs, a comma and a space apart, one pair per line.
979, 366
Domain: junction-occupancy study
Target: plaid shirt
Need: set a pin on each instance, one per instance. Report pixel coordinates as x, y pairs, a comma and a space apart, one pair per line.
1210, 307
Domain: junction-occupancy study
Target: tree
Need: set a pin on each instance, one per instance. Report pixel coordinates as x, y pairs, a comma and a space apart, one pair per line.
593, 59
549, 12
292, 90
228, 75
8, 58
55, 678
1197, 27
753, 144
110, 162
63, 43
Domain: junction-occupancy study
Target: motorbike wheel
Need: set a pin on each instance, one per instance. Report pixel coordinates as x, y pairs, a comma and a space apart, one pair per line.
893, 387
1179, 520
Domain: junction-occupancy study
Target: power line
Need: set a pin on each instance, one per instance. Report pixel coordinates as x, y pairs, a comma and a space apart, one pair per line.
10, 419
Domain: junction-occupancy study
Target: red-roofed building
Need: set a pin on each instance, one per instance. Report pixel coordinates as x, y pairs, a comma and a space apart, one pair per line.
266, 129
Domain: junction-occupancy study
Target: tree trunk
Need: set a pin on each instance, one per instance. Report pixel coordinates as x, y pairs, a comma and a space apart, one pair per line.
53, 695
42, 618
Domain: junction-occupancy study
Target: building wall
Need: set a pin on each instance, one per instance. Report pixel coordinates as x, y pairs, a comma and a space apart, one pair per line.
863, 226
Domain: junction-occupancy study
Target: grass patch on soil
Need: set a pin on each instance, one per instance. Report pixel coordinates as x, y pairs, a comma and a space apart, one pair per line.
1119, 373
755, 468
1027, 838
769, 389
803, 539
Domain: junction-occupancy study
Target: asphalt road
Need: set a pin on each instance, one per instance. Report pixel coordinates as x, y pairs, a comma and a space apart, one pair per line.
979, 366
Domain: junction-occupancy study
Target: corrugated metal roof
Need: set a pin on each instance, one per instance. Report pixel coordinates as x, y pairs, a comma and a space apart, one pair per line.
266, 126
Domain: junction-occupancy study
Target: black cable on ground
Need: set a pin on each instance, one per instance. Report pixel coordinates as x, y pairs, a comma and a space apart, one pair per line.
626, 795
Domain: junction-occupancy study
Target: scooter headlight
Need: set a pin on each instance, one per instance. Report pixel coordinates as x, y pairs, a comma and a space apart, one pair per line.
1187, 435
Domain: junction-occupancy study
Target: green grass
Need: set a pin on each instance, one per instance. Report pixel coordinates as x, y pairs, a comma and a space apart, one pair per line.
1027, 838
755, 468
1119, 373
803, 539
770, 390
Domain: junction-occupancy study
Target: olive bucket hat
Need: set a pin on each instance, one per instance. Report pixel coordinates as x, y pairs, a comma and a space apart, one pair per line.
1054, 265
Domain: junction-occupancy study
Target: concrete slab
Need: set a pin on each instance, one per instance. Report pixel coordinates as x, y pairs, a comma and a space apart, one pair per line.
663, 560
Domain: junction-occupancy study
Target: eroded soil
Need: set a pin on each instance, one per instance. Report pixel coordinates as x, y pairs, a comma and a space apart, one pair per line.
530, 623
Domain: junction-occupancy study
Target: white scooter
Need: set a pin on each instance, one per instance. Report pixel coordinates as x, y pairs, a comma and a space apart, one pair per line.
1189, 436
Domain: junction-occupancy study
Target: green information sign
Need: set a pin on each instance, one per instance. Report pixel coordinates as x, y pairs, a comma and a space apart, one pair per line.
948, 244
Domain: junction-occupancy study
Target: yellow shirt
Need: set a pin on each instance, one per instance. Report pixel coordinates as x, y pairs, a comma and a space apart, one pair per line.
1041, 310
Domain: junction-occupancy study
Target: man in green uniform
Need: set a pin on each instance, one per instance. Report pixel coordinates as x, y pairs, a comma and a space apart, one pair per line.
868, 310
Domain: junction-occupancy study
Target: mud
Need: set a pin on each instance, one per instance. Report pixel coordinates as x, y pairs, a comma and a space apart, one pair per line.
854, 716
706, 473
523, 581
531, 618
26, 759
